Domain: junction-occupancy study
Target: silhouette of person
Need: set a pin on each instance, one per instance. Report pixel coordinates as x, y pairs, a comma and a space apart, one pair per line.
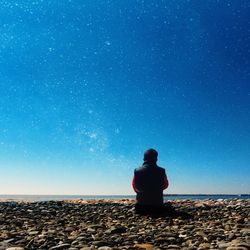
149, 182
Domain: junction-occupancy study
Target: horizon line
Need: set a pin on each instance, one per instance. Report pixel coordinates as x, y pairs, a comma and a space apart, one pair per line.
197, 194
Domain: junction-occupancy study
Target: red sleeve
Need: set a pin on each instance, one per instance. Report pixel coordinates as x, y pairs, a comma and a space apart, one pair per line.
133, 184
165, 182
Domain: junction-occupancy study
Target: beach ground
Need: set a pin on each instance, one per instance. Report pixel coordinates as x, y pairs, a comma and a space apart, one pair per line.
109, 224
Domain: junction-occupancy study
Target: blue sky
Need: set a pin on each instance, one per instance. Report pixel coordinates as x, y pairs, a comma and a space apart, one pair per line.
87, 86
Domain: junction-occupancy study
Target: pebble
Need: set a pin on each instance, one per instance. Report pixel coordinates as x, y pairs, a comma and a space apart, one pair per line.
61, 246
106, 225
204, 246
15, 248
223, 245
145, 246
173, 247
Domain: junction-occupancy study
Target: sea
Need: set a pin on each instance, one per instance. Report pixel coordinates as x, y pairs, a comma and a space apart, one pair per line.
37, 198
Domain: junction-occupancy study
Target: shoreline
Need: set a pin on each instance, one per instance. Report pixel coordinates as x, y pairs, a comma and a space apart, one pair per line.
166, 197
113, 224
43, 198
208, 201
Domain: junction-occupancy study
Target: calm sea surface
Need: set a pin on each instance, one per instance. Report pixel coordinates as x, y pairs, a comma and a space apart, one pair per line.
114, 197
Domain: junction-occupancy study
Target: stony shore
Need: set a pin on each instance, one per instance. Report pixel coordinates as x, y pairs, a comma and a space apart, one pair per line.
106, 225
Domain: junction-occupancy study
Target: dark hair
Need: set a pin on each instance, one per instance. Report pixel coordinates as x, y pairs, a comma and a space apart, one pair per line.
150, 155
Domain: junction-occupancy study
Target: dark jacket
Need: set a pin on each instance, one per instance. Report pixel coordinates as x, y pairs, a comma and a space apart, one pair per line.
149, 182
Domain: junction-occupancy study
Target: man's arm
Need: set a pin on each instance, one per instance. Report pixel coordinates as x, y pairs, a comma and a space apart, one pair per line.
133, 183
165, 185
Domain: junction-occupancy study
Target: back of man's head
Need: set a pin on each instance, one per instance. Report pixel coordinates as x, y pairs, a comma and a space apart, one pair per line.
150, 155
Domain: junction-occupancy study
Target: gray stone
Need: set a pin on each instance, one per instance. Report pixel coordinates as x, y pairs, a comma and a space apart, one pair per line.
118, 230
61, 246
223, 245
173, 247
3, 245
237, 248
99, 243
15, 248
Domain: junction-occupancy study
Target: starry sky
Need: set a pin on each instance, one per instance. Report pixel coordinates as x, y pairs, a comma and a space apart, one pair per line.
87, 86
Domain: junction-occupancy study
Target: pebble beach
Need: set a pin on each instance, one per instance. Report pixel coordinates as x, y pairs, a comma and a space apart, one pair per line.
113, 224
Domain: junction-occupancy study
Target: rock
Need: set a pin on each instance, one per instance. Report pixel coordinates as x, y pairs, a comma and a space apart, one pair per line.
145, 246
99, 243
231, 236
61, 246
237, 248
91, 230
173, 247
223, 245
204, 246
182, 236
15, 248
118, 230
105, 225
69, 229
240, 220
3, 245
245, 232
9, 240
33, 233
161, 240
238, 244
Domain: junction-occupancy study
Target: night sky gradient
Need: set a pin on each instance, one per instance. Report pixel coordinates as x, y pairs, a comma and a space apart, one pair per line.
87, 86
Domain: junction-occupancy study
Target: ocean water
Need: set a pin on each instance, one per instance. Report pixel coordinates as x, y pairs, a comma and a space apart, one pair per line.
113, 197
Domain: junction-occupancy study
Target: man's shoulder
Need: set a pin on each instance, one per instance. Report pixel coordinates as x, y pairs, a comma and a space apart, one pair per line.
139, 168
160, 168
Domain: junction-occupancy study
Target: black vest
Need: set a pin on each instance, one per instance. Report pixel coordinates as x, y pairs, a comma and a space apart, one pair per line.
149, 183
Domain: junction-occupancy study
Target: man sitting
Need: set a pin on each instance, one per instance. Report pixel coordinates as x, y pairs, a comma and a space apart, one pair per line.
149, 182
